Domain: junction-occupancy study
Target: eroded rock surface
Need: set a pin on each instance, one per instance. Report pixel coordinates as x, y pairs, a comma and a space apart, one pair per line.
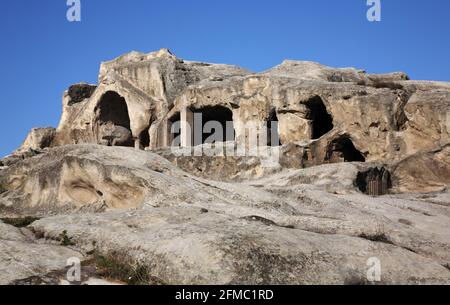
297, 226
184, 245
23, 257
93, 177
424, 171
350, 167
383, 117
38, 138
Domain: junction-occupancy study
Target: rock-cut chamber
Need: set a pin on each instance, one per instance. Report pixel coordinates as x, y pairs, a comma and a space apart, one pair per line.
113, 121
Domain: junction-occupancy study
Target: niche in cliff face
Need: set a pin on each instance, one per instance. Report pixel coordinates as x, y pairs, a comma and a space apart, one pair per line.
174, 130
322, 122
216, 124
343, 150
144, 138
374, 181
113, 121
273, 136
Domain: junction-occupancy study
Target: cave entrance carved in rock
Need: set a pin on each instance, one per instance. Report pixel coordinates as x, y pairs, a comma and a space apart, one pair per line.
216, 124
144, 138
322, 121
174, 130
113, 121
374, 181
209, 124
273, 135
342, 149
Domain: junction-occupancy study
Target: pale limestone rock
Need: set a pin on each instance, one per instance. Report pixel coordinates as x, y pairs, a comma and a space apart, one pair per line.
306, 226
38, 138
423, 172
305, 220
22, 258
387, 116
183, 245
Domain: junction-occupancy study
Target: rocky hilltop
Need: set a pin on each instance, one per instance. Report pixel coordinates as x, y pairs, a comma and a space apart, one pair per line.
362, 171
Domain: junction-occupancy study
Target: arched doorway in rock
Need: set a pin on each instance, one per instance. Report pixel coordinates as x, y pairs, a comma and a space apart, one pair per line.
208, 118
342, 149
322, 121
144, 135
174, 130
273, 135
113, 121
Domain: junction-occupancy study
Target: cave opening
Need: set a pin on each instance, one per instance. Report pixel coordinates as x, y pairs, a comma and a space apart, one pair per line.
113, 109
343, 150
174, 130
144, 138
273, 136
216, 124
322, 121
113, 120
374, 181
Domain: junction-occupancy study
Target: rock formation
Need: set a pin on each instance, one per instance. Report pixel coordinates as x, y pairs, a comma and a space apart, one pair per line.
386, 117
362, 170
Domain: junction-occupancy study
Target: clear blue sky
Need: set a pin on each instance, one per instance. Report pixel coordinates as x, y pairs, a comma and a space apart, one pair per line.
42, 53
